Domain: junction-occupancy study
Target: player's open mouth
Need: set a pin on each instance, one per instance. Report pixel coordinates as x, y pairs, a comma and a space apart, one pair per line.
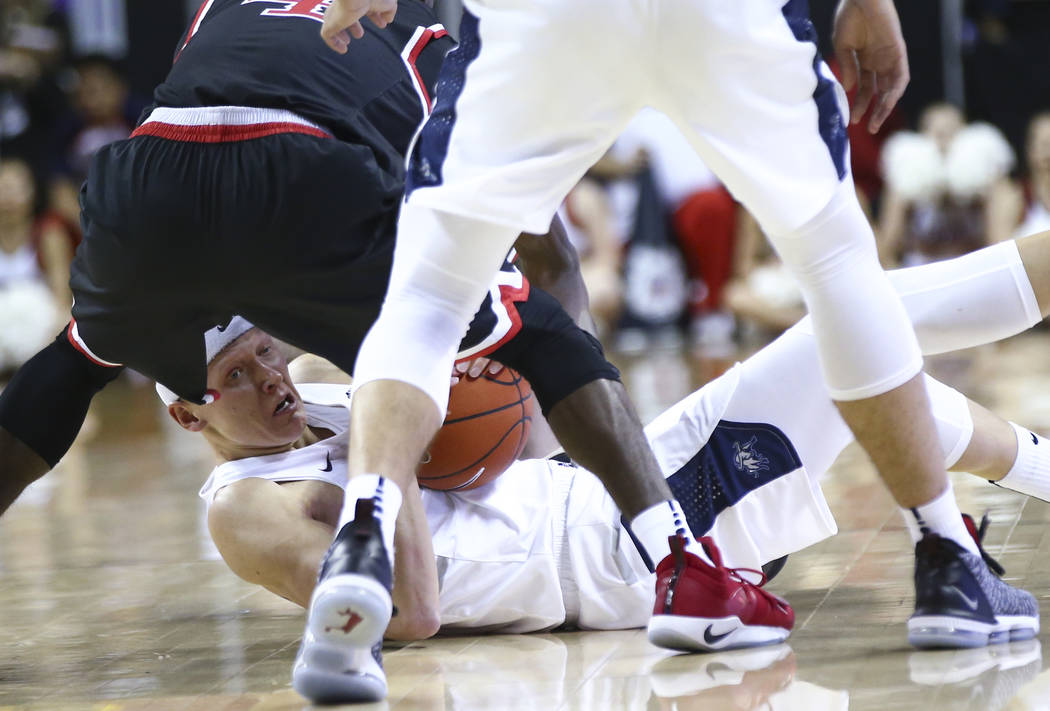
285, 405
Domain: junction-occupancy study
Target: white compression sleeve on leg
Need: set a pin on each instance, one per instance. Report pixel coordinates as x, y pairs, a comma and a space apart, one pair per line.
953, 419
866, 342
968, 301
443, 265
978, 298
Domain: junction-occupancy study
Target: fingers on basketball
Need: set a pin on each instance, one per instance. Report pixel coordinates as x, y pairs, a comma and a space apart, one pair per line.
486, 429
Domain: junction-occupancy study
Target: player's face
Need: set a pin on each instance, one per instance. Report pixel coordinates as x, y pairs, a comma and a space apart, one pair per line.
256, 406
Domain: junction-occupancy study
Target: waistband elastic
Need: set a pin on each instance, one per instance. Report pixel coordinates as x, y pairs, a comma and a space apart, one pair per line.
223, 124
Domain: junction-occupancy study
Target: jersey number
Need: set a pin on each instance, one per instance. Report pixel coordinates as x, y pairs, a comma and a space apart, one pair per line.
312, 9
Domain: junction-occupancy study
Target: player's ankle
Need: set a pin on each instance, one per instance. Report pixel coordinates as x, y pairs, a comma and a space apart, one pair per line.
941, 516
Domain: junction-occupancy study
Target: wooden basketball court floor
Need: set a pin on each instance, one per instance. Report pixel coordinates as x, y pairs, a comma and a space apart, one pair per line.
113, 599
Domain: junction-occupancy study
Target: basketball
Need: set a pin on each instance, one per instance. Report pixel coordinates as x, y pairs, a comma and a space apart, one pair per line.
487, 424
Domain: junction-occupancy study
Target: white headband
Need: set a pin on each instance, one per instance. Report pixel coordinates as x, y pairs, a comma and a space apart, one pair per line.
215, 340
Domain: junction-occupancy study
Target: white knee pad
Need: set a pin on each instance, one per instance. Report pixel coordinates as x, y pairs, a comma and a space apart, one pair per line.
443, 265
866, 342
953, 419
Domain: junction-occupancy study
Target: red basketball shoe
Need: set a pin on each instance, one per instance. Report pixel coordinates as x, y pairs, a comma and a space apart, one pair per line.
700, 607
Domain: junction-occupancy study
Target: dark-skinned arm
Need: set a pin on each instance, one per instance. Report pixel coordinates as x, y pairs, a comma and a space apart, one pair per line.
550, 262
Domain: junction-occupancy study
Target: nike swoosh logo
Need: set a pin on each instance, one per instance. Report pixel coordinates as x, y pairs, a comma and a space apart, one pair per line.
715, 638
971, 603
327, 462
1035, 440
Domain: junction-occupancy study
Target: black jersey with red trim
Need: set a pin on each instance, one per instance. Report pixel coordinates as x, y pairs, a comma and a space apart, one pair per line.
269, 54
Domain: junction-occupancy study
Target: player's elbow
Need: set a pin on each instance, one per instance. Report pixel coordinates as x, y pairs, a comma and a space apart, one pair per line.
413, 625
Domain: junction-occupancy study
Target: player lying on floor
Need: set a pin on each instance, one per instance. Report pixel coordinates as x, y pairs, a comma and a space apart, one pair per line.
232, 195
543, 545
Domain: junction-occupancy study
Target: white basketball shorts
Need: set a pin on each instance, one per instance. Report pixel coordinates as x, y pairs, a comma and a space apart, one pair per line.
538, 90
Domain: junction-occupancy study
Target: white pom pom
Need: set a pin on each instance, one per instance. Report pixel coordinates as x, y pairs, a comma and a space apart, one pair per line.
913, 166
28, 320
978, 156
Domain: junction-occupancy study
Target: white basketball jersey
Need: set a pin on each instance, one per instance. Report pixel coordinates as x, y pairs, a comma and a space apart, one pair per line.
494, 545
542, 545
320, 461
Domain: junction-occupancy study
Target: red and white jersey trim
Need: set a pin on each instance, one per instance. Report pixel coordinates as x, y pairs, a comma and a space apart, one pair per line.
73, 333
197, 20
409, 55
420, 38
220, 124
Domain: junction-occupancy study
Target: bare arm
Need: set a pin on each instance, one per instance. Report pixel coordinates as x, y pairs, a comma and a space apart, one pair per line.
267, 536
343, 20
310, 368
551, 263
275, 535
415, 590
870, 50
415, 573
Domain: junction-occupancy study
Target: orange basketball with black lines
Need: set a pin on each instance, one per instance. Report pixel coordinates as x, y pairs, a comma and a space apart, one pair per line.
487, 424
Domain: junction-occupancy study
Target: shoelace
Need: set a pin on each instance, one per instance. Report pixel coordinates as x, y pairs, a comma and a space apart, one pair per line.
978, 536
735, 573
678, 549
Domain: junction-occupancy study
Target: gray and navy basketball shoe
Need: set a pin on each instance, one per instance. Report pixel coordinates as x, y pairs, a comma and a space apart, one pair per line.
340, 659
961, 602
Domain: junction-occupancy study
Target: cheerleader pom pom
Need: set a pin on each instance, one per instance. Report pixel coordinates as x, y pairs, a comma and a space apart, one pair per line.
27, 321
913, 167
978, 156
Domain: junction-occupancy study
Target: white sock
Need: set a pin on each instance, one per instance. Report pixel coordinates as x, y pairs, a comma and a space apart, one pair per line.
387, 497
1030, 473
941, 516
653, 526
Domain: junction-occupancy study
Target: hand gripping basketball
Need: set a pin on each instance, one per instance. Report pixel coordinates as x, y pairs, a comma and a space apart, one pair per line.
486, 428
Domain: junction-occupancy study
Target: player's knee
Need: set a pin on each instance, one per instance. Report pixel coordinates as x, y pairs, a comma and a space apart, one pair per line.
839, 240
44, 404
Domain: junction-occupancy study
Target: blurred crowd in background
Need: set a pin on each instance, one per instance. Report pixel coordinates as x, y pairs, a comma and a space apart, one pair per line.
670, 259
